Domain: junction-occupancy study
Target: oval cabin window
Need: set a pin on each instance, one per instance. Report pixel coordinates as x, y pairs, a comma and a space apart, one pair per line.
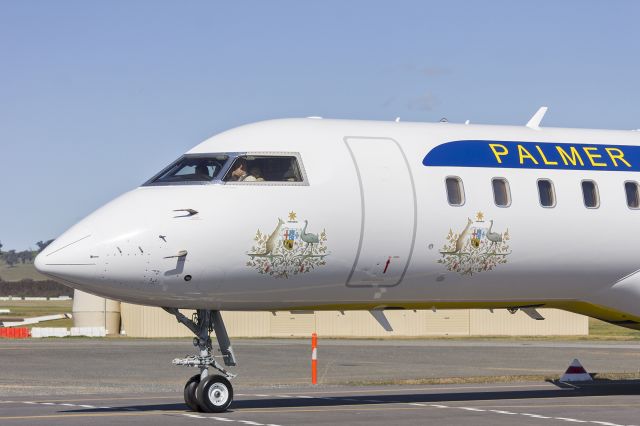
455, 191
546, 193
501, 192
633, 194
590, 194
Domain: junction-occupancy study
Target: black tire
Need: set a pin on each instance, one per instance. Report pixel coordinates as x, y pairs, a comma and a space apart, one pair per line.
190, 393
214, 394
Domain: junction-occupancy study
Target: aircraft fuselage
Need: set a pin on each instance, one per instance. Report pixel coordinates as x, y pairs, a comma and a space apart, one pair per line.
367, 222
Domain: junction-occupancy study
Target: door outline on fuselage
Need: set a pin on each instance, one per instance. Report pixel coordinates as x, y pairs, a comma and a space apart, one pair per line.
363, 214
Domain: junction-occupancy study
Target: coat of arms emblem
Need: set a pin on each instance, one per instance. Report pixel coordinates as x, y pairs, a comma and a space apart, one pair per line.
290, 249
477, 248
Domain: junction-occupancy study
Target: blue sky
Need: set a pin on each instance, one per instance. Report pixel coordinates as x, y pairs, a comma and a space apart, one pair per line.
95, 97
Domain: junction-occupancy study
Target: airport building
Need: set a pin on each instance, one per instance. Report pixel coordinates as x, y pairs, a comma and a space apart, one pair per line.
145, 321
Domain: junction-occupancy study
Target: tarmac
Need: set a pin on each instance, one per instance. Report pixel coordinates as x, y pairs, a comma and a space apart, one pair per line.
112, 381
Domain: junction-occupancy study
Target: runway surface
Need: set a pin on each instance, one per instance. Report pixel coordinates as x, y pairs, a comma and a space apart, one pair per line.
524, 404
84, 381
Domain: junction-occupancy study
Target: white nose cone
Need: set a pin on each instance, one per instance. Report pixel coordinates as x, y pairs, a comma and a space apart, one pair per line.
68, 259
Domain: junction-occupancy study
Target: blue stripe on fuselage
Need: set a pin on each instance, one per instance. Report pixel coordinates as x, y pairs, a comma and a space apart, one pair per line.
534, 155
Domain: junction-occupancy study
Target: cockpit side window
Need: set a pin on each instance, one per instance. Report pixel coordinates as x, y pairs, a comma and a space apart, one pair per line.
192, 169
264, 168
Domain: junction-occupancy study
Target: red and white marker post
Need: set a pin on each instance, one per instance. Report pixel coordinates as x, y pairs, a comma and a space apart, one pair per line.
314, 359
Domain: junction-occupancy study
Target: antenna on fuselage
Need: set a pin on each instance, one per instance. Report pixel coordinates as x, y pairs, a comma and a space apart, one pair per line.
535, 121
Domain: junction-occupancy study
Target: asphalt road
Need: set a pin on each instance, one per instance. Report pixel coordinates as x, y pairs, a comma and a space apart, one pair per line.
83, 381
523, 404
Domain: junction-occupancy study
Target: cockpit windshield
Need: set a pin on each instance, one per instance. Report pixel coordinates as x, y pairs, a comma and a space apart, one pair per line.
234, 168
192, 169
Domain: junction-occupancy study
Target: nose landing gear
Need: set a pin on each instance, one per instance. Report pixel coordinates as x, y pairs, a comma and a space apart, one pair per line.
204, 392
214, 394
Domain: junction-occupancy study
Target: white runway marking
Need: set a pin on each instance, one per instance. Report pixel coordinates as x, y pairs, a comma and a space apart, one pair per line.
62, 404
227, 420
535, 416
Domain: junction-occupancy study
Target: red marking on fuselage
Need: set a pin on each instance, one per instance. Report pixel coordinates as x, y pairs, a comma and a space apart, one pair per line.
386, 266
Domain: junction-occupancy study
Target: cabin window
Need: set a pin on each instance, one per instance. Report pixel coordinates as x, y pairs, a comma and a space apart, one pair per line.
264, 168
455, 191
633, 194
590, 194
501, 192
546, 193
192, 169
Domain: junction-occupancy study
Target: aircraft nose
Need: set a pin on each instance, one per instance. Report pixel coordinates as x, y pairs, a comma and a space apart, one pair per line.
68, 258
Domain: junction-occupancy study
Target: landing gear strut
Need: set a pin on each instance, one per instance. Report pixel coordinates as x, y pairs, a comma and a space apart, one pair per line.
204, 392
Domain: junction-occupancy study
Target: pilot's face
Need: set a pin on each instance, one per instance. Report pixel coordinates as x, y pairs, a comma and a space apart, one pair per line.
238, 172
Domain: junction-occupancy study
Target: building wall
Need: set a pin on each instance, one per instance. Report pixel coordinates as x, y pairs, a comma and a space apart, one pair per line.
89, 311
144, 321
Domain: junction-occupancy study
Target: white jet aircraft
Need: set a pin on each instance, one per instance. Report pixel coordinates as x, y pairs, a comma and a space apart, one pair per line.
314, 214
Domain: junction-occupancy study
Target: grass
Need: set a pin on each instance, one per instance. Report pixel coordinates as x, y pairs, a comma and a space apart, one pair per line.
36, 308
603, 330
66, 323
18, 272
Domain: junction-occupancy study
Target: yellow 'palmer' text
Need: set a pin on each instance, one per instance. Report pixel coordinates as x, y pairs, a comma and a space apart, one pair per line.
498, 151
555, 155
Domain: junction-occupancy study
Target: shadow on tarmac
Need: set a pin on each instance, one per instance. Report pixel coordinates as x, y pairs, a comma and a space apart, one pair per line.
573, 390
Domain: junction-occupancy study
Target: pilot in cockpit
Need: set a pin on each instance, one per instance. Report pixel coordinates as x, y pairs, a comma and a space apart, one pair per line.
240, 174
202, 171
239, 171
256, 174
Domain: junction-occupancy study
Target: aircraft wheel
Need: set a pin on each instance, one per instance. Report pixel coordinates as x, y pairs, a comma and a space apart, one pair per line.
214, 394
190, 393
